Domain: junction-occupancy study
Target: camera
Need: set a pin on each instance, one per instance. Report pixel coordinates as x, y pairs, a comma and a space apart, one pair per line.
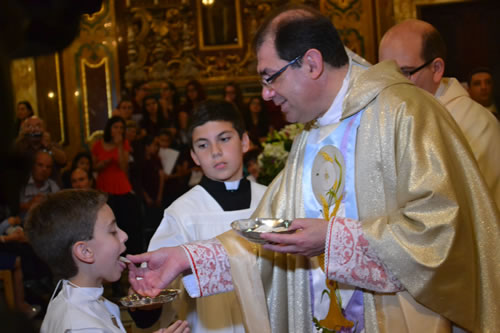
35, 135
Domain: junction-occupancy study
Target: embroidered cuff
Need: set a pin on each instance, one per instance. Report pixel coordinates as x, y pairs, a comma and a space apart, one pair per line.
350, 260
210, 266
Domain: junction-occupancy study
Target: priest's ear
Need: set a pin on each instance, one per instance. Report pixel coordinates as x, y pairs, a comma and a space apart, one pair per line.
82, 252
313, 62
437, 67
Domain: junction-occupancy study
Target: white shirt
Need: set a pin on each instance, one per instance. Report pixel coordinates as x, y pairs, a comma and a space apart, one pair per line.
77, 309
196, 215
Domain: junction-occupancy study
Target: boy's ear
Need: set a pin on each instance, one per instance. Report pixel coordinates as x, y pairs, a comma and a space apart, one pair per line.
245, 142
194, 157
83, 252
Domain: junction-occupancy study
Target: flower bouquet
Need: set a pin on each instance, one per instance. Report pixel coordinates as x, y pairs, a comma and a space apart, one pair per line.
275, 152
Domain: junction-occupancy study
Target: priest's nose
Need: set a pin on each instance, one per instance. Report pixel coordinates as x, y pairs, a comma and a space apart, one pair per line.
267, 93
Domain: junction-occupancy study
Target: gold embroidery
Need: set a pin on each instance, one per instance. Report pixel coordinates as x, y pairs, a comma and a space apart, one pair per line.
334, 320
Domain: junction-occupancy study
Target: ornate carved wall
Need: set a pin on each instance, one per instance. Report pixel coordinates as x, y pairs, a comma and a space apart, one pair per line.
166, 38
95, 69
167, 41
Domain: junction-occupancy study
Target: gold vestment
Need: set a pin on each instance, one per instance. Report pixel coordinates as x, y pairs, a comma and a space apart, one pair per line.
425, 210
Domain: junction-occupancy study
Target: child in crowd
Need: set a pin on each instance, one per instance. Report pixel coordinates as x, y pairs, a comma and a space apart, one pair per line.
251, 162
75, 232
176, 165
167, 154
152, 180
218, 141
80, 178
82, 160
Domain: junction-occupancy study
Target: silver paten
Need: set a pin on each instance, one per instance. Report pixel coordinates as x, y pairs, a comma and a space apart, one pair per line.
136, 300
252, 228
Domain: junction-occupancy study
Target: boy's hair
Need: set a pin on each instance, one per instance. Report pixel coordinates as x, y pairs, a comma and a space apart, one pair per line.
126, 99
148, 139
58, 222
167, 132
212, 110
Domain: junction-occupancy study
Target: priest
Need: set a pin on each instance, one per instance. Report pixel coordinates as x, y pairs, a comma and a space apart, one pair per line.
393, 219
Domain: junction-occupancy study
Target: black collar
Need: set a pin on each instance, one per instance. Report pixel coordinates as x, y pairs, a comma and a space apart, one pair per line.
229, 199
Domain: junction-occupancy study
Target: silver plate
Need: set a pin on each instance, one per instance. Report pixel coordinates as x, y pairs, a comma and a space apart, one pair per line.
136, 300
247, 228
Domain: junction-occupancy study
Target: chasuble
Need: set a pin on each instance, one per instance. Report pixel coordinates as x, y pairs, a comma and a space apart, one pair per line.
423, 209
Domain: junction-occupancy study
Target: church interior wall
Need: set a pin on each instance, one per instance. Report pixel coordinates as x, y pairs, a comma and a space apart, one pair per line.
158, 40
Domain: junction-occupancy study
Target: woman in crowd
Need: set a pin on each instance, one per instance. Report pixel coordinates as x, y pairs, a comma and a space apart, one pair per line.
257, 120
153, 119
233, 94
195, 93
110, 158
24, 110
169, 102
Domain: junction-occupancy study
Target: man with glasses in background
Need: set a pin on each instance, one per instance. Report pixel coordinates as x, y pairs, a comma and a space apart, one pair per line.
419, 50
385, 195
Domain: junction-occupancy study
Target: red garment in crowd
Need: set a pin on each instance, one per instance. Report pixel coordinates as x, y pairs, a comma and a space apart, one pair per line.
112, 179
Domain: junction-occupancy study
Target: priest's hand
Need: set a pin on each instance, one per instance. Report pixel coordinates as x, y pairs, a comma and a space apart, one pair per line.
308, 240
162, 267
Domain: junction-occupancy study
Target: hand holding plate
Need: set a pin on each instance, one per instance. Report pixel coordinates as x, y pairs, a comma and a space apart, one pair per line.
309, 240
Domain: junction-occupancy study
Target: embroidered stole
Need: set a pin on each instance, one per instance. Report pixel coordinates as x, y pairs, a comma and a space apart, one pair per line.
332, 155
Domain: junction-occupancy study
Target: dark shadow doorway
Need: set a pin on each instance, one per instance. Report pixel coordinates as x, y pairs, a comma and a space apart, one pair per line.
471, 31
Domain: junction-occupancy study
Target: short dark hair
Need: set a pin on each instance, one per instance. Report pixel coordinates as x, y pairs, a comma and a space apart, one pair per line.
58, 222
167, 132
137, 85
479, 70
433, 46
212, 110
107, 129
148, 139
308, 29
123, 100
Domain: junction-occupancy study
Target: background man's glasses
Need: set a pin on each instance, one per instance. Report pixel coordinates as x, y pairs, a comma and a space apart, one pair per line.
409, 72
267, 82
